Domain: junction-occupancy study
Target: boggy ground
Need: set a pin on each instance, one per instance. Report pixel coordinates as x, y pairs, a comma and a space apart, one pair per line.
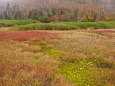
57, 58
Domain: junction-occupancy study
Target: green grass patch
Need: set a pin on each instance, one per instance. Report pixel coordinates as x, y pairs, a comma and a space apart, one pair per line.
46, 26
93, 25
82, 74
36, 25
66, 26
10, 23
53, 52
6, 24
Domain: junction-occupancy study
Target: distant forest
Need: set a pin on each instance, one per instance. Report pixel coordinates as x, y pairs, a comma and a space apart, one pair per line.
57, 10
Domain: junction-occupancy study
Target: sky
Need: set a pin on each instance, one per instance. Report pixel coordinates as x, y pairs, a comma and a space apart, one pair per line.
4, 0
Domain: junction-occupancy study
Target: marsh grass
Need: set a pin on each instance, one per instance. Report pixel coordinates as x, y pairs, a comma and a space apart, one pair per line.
86, 58
74, 58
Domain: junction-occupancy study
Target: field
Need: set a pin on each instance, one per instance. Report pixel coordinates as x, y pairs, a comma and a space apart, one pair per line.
81, 55
36, 25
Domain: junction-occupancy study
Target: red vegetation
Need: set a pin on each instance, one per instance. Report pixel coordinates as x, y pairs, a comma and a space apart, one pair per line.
108, 33
58, 17
111, 31
26, 35
13, 70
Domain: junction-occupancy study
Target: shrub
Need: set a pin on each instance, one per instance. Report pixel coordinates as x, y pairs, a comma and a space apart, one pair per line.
45, 26
96, 25
66, 25
44, 19
103, 25
7, 23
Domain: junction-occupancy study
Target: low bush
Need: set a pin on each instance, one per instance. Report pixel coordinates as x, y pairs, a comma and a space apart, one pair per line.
8, 23
66, 25
96, 25
44, 19
46, 26
104, 25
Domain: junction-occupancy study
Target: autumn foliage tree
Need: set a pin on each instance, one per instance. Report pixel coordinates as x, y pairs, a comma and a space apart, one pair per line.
57, 10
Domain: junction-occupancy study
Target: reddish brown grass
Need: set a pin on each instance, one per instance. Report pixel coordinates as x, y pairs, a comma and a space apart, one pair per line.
26, 35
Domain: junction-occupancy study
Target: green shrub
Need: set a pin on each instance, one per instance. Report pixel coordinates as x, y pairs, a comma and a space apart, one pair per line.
44, 19
66, 25
103, 25
83, 25
96, 25
46, 26
5, 23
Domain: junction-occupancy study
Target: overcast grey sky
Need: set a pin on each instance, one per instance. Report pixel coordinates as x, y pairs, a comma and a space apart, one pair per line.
4, 0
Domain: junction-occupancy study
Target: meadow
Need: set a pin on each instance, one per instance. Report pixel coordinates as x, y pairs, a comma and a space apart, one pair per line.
42, 54
66, 25
36, 25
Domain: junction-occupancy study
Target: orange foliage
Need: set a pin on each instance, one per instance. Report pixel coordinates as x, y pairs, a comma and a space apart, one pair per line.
58, 17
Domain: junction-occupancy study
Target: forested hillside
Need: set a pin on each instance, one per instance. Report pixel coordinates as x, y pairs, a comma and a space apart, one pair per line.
71, 10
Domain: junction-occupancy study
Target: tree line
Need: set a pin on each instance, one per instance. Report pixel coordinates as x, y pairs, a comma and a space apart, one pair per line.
56, 10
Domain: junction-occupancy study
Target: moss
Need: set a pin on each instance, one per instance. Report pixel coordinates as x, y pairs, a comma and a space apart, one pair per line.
79, 74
